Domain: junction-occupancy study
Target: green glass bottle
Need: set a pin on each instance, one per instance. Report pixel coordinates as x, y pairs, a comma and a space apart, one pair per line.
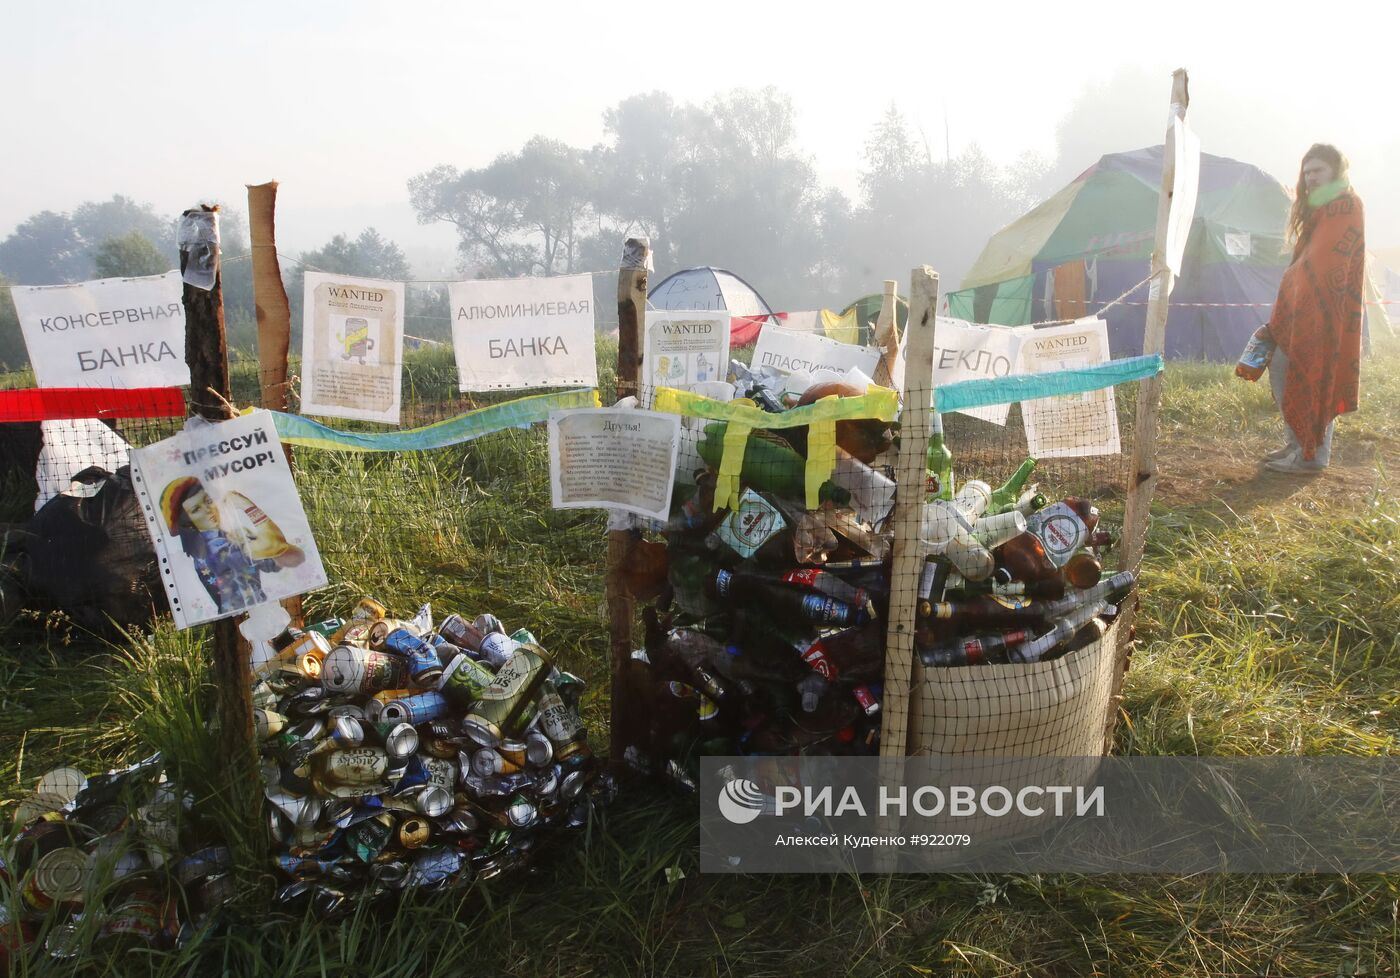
939, 464
1004, 498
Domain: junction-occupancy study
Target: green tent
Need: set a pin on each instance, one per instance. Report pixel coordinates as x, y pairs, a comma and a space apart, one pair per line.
1092, 241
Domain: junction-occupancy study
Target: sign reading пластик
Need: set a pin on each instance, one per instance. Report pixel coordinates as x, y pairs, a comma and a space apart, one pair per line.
524, 332
113, 332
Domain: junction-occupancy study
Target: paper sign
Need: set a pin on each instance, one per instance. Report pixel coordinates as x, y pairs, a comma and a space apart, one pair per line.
1238, 244
969, 351
1186, 177
790, 350
225, 518
609, 459
685, 348
352, 348
524, 332
1077, 424
112, 332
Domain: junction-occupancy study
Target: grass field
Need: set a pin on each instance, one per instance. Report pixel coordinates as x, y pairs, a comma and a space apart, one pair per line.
1271, 607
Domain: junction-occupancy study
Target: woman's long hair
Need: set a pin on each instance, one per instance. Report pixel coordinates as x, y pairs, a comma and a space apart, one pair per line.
1298, 216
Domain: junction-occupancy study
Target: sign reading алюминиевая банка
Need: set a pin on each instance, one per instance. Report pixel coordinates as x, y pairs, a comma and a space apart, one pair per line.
524, 332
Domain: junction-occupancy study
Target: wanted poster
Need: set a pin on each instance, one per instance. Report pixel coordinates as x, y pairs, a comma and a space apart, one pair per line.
352, 348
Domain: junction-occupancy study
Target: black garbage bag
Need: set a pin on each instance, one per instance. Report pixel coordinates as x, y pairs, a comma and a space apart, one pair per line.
90, 556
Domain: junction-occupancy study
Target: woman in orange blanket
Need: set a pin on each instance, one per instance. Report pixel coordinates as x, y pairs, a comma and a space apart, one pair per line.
1317, 317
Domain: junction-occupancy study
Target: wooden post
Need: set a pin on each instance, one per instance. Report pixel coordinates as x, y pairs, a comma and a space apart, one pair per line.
899, 724
631, 703
1143, 475
274, 318
887, 334
206, 352
269, 295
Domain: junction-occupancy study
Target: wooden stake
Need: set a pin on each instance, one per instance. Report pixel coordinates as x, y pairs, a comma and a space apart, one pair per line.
274, 319
631, 701
887, 334
899, 724
270, 296
206, 352
1143, 474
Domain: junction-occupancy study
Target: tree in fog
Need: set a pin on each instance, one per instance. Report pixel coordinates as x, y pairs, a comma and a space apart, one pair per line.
918, 210
526, 213
129, 255
13, 354
50, 248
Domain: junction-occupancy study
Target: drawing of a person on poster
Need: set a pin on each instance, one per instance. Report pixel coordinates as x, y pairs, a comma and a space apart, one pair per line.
231, 543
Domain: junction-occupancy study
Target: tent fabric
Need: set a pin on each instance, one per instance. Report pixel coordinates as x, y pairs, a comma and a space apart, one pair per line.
713, 289
1096, 235
867, 310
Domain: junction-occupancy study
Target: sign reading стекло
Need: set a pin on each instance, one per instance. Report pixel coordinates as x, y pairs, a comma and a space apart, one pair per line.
525, 332
112, 332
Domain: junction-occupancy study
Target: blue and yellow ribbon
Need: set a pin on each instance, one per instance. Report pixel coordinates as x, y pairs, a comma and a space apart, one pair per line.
522, 412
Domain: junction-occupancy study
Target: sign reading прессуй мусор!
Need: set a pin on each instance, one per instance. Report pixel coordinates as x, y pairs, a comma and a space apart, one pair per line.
112, 332
524, 332
225, 518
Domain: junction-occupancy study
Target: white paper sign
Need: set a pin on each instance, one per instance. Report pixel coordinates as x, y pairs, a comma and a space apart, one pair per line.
970, 351
1186, 178
524, 332
1238, 244
352, 348
791, 350
112, 332
685, 348
613, 459
1076, 424
225, 518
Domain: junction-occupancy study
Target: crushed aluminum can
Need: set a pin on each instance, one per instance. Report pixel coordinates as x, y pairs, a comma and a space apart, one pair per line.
400, 740
414, 833
488, 763
434, 801
347, 731
539, 752
415, 709
522, 813
424, 666
435, 868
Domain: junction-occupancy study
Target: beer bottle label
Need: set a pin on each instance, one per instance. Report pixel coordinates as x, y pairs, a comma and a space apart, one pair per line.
1061, 532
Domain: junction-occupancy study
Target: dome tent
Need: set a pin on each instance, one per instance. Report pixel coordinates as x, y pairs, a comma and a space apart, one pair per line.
1092, 241
713, 289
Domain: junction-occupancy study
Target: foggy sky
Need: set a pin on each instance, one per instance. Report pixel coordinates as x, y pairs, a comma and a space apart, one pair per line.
174, 103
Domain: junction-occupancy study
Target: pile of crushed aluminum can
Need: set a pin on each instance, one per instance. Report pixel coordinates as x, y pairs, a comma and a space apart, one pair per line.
399, 755
107, 862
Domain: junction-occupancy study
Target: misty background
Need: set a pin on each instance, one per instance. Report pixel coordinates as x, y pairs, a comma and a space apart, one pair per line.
795, 151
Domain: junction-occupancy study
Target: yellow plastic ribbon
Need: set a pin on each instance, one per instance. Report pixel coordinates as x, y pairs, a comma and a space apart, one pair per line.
731, 464
821, 458
878, 403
